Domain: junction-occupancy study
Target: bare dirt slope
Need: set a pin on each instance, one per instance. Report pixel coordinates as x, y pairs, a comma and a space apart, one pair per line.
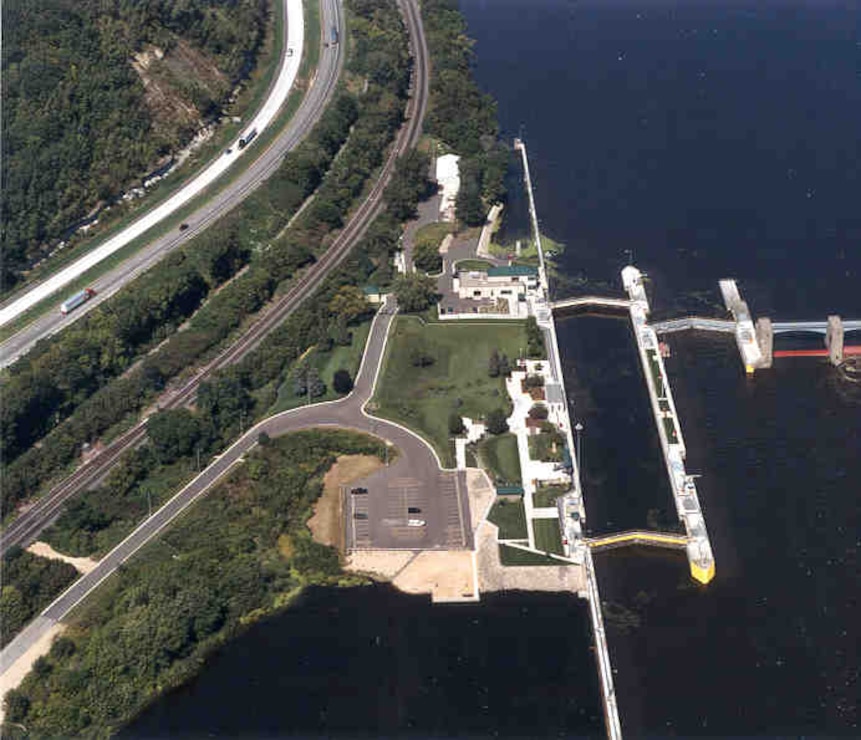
326, 524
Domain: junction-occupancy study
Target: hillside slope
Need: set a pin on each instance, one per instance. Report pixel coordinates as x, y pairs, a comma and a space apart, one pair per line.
98, 92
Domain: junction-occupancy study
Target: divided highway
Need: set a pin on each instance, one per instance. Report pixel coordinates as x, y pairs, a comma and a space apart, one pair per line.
266, 162
27, 526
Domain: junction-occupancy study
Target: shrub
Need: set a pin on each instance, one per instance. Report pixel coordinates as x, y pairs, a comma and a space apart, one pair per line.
496, 422
538, 411
342, 382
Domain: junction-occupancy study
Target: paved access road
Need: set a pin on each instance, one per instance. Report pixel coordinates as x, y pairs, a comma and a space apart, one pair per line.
444, 492
266, 162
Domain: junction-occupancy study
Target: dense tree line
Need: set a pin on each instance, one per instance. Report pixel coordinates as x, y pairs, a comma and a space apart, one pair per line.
76, 127
240, 553
370, 123
460, 115
30, 583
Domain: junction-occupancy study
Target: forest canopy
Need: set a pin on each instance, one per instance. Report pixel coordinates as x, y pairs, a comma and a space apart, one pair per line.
78, 127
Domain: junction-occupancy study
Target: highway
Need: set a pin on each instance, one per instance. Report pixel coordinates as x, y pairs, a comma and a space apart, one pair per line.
416, 459
264, 164
27, 526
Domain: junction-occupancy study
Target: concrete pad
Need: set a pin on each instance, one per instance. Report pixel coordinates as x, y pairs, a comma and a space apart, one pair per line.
494, 576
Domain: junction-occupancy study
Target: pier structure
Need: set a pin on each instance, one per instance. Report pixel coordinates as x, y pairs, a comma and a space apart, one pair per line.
757, 346
570, 506
698, 546
834, 340
745, 332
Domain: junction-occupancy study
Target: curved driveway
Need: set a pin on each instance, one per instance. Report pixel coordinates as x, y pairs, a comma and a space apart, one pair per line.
445, 506
312, 107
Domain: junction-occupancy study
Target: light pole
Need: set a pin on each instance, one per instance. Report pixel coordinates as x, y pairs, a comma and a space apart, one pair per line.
149, 501
578, 428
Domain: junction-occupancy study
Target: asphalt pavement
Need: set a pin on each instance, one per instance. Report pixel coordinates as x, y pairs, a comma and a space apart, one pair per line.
265, 164
442, 494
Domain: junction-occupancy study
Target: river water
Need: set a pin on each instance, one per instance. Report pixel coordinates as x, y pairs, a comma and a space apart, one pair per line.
711, 138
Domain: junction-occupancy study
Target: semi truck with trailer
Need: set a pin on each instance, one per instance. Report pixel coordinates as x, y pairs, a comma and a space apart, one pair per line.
79, 299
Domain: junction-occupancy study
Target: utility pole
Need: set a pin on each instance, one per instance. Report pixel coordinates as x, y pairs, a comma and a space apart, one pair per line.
149, 502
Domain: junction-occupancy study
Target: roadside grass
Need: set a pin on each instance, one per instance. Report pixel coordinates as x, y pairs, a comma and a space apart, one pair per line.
546, 495
510, 517
473, 265
500, 458
515, 556
202, 159
423, 398
348, 357
547, 537
433, 234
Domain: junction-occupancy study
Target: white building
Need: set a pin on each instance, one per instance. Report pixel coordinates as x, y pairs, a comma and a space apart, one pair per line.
509, 282
448, 177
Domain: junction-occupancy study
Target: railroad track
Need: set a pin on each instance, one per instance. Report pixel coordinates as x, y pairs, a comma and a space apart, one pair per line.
30, 523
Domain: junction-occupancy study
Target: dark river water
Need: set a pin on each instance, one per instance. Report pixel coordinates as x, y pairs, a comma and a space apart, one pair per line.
711, 138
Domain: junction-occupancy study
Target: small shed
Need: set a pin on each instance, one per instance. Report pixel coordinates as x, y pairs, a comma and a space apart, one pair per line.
373, 294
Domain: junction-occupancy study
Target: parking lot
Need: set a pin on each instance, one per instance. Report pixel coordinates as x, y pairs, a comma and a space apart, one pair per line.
401, 511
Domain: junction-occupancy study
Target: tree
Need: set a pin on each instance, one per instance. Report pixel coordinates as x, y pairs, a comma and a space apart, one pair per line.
224, 400
496, 422
349, 302
493, 364
306, 381
469, 207
62, 647
420, 356
408, 185
534, 339
415, 292
174, 433
455, 424
17, 705
342, 382
534, 381
504, 365
426, 257
538, 411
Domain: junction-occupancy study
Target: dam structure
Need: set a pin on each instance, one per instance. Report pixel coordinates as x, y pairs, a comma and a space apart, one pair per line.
755, 340
690, 514
570, 506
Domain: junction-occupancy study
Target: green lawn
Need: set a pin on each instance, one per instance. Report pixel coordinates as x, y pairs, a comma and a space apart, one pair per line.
547, 537
433, 233
510, 517
327, 363
547, 495
514, 556
546, 446
499, 457
473, 265
528, 249
423, 398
